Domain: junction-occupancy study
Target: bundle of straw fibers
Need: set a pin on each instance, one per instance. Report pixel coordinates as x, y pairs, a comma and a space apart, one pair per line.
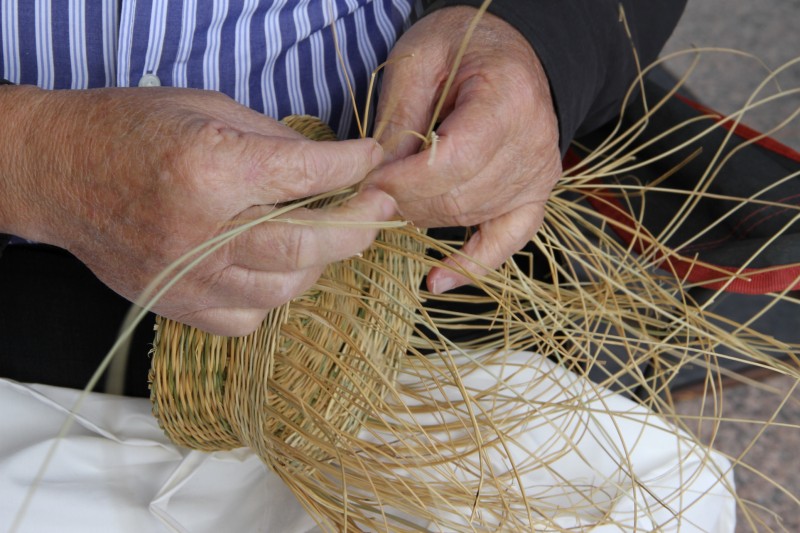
560, 415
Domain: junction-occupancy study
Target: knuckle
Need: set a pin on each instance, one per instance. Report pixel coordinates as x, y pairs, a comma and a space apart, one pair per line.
282, 248
249, 321
454, 163
270, 158
277, 295
218, 286
280, 289
301, 251
295, 169
187, 165
310, 161
227, 322
453, 210
356, 242
292, 247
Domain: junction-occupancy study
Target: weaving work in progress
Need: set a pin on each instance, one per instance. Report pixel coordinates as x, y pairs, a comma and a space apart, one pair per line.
542, 397
558, 416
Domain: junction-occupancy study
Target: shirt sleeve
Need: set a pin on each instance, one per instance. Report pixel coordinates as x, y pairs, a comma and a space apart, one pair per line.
585, 49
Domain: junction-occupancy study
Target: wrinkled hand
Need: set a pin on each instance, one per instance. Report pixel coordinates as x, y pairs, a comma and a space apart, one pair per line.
497, 157
128, 180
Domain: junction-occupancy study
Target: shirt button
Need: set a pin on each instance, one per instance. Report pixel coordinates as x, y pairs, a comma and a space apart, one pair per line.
149, 80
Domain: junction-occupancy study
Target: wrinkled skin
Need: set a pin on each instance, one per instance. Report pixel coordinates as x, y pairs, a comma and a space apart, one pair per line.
497, 155
128, 180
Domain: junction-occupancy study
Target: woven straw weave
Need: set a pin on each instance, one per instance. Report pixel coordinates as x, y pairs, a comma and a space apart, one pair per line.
310, 371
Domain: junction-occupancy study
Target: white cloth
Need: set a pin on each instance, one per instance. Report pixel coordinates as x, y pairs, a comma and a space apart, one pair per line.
116, 472
587, 458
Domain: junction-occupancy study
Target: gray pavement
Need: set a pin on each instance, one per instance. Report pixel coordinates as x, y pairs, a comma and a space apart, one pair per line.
770, 30
767, 29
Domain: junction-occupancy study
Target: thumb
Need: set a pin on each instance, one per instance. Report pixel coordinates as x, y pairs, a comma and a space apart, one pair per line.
298, 168
409, 92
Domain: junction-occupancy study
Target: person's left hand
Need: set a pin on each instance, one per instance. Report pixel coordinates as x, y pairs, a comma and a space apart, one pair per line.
497, 155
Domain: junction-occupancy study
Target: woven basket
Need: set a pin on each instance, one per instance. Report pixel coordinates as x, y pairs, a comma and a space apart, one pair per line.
311, 370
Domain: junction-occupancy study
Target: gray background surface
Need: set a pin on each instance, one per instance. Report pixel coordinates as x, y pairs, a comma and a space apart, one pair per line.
767, 29
770, 30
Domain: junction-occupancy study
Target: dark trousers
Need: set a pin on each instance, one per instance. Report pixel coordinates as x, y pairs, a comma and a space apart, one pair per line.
58, 321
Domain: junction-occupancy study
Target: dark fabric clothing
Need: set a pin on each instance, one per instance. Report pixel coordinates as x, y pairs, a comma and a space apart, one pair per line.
586, 51
58, 321
3, 242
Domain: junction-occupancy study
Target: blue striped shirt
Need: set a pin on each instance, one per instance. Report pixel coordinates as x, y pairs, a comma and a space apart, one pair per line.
275, 56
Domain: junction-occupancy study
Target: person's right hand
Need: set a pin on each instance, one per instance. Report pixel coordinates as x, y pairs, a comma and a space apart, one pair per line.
129, 180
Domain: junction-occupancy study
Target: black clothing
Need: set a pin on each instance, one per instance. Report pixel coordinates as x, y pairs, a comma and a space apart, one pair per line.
586, 51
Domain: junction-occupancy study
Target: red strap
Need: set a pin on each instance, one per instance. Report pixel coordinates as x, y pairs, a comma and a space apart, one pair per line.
744, 132
748, 280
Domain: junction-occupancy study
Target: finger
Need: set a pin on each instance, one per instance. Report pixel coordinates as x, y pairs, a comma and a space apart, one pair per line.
322, 236
487, 249
409, 91
280, 169
227, 322
469, 139
239, 287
